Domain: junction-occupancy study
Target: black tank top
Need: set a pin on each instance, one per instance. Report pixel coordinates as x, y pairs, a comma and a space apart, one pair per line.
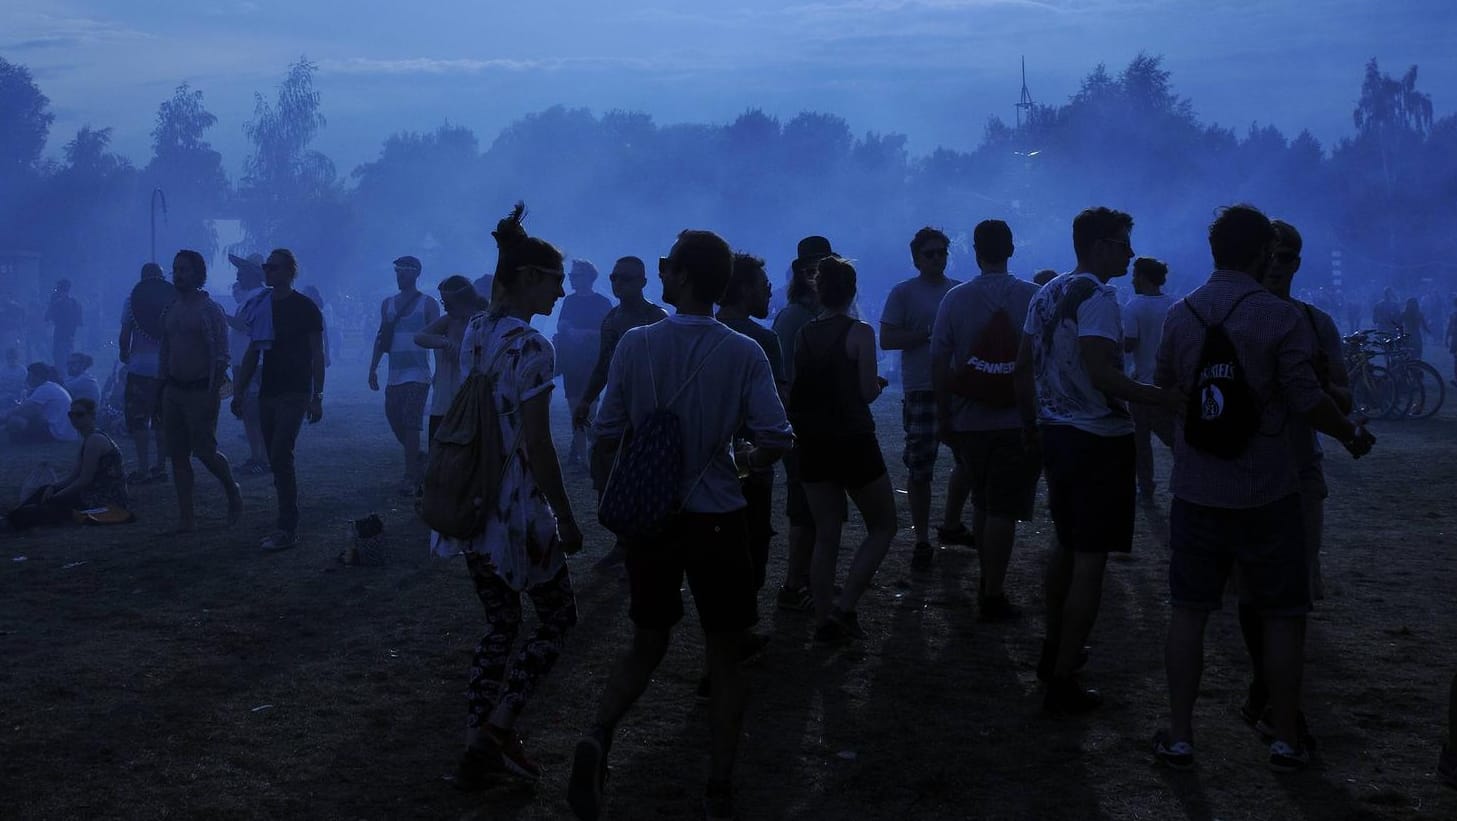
824, 401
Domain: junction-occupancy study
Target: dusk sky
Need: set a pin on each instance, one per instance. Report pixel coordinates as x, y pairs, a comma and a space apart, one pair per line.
933, 70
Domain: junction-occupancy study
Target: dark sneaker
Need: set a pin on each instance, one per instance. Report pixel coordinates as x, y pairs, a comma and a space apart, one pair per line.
476, 768
282, 540
1287, 759
998, 609
1066, 697
589, 772
796, 599
718, 803
1176, 755
1265, 725
960, 535
753, 647
1048, 661
830, 632
849, 623
921, 556
1447, 766
513, 754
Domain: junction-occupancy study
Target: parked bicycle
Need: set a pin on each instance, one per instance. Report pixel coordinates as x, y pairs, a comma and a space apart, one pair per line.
1388, 381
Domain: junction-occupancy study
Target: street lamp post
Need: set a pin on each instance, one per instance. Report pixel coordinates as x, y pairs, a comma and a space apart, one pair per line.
152, 210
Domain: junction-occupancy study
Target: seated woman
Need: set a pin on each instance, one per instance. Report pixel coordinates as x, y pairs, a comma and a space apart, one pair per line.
97, 484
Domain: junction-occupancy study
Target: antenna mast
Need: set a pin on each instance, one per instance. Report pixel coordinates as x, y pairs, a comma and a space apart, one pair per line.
1024, 105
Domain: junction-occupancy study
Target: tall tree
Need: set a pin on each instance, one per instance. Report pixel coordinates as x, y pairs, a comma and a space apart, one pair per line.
185, 166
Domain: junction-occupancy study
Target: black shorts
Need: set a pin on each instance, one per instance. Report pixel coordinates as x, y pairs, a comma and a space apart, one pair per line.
1267, 544
851, 462
1090, 489
1002, 473
712, 550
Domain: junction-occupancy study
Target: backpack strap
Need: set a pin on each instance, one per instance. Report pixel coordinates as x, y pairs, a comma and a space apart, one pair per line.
1228, 314
692, 374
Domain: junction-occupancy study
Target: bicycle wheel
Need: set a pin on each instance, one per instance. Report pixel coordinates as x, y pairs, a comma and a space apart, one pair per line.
1428, 389
1374, 392
1403, 392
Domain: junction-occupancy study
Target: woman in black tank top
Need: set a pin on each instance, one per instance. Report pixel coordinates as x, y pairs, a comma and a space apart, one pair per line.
835, 381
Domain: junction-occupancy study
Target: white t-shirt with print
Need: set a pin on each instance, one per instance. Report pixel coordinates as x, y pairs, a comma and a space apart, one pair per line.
55, 402
1067, 309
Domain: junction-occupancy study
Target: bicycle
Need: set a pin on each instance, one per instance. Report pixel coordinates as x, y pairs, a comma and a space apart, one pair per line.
1373, 390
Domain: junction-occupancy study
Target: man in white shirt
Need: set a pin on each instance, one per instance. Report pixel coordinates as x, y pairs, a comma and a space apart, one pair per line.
42, 416
400, 318
707, 541
1143, 326
1074, 344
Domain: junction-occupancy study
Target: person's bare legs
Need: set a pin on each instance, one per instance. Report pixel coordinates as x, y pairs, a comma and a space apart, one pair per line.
1080, 610
801, 551
995, 536
184, 480
631, 677
876, 503
217, 464
920, 500
958, 490
825, 503
1055, 591
257, 448
410, 439
728, 692
1284, 672
142, 440
1184, 666
1143, 460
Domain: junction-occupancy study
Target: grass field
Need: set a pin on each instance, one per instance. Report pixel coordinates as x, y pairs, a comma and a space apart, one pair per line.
144, 676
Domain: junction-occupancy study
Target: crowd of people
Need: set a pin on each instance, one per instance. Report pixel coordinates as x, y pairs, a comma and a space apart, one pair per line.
682, 418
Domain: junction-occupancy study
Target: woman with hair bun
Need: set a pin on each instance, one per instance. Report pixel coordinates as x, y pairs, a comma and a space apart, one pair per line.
531, 528
835, 381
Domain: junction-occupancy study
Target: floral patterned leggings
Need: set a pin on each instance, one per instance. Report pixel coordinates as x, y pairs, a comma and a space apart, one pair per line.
496, 677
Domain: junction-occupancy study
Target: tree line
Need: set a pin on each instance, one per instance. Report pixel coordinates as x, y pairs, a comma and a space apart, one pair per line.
617, 183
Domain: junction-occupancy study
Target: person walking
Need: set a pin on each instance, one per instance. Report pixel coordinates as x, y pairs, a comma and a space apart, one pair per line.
287, 332
835, 380
706, 540
530, 526
193, 362
408, 385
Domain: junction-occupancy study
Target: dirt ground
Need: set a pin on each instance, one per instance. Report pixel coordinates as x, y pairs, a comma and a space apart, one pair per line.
144, 676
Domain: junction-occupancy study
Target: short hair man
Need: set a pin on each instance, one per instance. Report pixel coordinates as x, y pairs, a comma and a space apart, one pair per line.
248, 292
1143, 326
577, 342
194, 360
985, 432
64, 313
291, 328
1074, 342
41, 416
401, 317
905, 326
138, 347
707, 539
1244, 510
633, 310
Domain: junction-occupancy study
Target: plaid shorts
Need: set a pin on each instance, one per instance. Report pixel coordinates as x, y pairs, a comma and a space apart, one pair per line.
918, 416
141, 403
404, 406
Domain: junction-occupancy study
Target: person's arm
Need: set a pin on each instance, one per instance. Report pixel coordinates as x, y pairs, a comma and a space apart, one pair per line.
316, 356
433, 335
1102, 359
379, 347
1130, 329
243, 379
91, 452
217, 342
765, 418
942, 349
611, 422
894, 333
546, 468
164, 348
605, 353
862, 339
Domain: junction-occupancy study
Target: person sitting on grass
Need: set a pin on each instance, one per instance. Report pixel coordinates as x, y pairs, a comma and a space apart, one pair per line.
99, 480
41, 416
80, 382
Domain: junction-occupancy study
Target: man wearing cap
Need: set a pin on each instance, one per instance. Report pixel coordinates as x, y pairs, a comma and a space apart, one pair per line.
248, 290
138, 348
803, 306
400, 318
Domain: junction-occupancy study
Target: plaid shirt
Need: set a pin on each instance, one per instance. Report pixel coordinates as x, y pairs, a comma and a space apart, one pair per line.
1276, 349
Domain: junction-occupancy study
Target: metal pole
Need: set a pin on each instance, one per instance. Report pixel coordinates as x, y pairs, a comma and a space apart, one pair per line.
152, 212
